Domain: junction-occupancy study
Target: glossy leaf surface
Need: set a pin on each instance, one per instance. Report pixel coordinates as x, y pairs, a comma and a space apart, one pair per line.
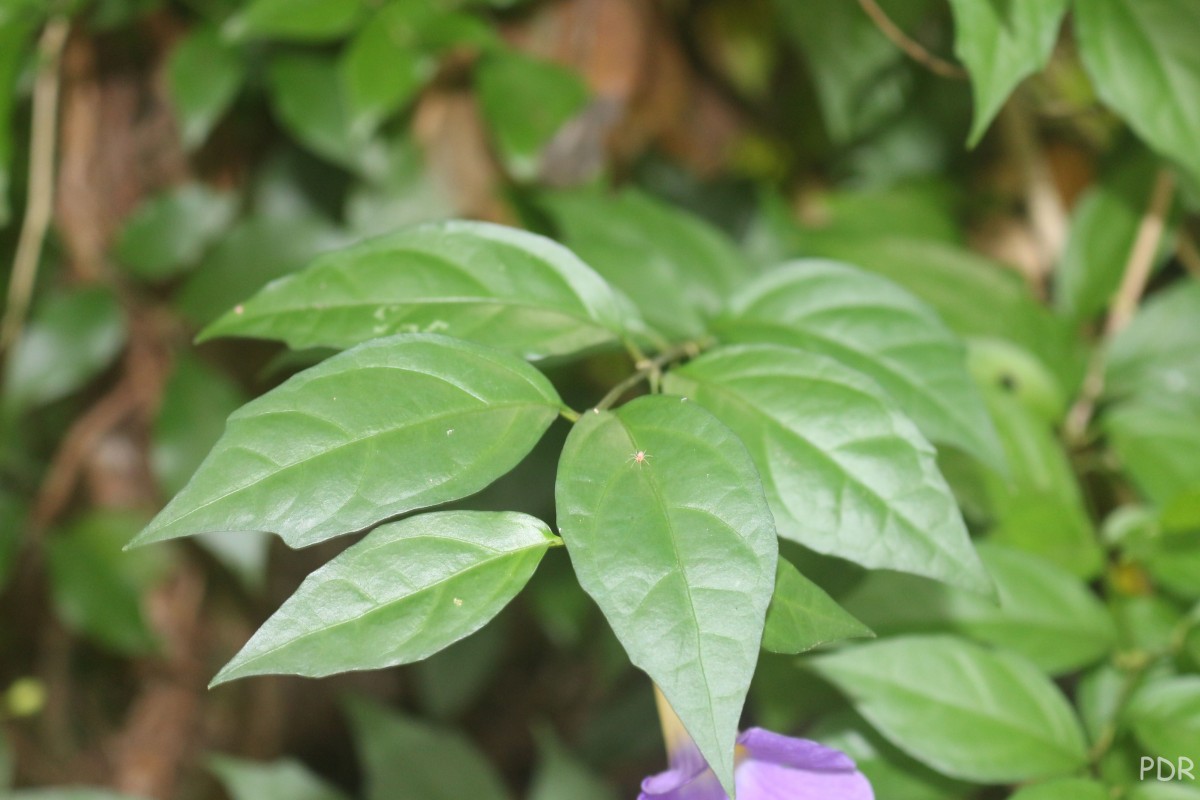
393, 425
678, 550
802, 616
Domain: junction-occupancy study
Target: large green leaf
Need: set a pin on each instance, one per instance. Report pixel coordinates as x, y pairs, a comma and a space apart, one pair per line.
845, 472
1003, 42
665, 521
404, 592
802, 616
203, 77
393, 425
384, 66
1157, 442
1073, 788
278, 780
525, 102
1165, 715
677, 269
406, 758
876, 327
1044, 613
966, 711
471, 280
1144, 63
303, 20
1158, 355
170, 232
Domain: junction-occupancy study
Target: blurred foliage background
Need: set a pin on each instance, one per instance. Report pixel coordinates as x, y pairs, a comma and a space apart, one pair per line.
161, 160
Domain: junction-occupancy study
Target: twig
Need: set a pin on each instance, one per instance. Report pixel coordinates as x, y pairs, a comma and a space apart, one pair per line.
40, 208
1044, 208
1125, 301
913, 48
651, 369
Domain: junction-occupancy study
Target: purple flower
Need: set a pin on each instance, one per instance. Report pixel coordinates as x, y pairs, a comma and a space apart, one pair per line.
769, 767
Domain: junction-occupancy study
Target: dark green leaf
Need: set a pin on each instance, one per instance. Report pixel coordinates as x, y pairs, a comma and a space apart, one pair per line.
203, 77
404, 592
15, 35
1165, 715
12, 531
405, 758
471, 280
170, 232
393, 425
525, 102
302, 20
874, 326
278, 780
560, 775
98, 589
451, 680
1142, 59
1044, 613
1002, 43
677, 270
71, 337
385, 66
679, 552
802, 616
845, 472
966, 711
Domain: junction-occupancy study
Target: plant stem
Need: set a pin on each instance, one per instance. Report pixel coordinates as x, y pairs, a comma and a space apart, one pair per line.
911, 47
651, 369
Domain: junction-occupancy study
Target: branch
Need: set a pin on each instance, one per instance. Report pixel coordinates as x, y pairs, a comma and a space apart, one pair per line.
40, 207
914, 49
650, 369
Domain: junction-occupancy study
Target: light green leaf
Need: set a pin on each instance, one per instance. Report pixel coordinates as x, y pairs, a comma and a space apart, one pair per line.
406, 758
1073, 788
1002, 42
679, 552
391, 426
1144, 64
802, 616
876, 327
406, 591
170, 232
1044, 612
1165, 716
968, 712
472, 280
15, 35
845, 472
97, 589
1157, 442
525, 102
1163, 791
299, 20
1104, 225
384, 66
1158, 354
677, 269
278, 780
203, 77
559, 775
72, 336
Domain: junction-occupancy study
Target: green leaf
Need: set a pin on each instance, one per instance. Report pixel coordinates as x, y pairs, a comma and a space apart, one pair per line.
1104, 225
845, 472
525, 102
284, 779
256, 251
1074, 788
1157, 442
560, 775
71, 337
1163, 791
12, 528
1002, 42
170, 232
1143, 63
679, 552
406, 758
968, 712
472, 280
98, 589
1044, 613
1158, 354
391, 426
406, 591
677, 269
802, 616
1165, 716
15, 35
874, 326
451, 680
296, 20
203, 78
384, 66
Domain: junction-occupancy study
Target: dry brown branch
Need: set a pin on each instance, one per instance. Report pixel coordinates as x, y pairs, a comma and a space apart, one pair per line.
912, 48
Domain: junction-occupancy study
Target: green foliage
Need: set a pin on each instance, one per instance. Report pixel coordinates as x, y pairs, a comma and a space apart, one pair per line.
280, 780
802, 616
172, 231
204, 76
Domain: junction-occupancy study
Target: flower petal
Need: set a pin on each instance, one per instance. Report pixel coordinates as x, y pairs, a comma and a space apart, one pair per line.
683, 784
783, 768
788, 751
